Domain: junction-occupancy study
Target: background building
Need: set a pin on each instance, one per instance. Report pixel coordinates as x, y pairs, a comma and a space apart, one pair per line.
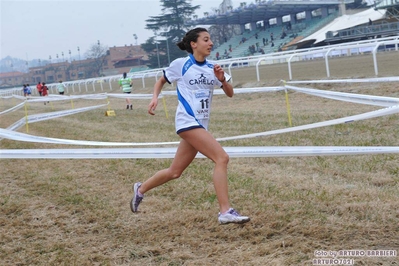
117, 60
264, 27
125, 59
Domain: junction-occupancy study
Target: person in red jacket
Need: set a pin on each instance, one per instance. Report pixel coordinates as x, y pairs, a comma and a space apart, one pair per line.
39, 88
44, 90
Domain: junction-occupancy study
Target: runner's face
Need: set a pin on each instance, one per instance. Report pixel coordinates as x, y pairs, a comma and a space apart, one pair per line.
203, 46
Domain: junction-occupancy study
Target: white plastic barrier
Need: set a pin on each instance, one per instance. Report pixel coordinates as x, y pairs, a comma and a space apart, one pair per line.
46, 116
28, 138
324, 51
344, 120
9, 134
365, 80
391, 102
349, 97
18, 106
233, 152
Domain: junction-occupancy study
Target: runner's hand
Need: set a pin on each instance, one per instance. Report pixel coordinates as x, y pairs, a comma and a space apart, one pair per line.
152, 106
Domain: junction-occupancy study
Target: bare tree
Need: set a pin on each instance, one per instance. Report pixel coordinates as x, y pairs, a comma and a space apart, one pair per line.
221, 33
97, 52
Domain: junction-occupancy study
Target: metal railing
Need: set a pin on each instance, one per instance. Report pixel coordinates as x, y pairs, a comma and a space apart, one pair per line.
363, 31
346, 49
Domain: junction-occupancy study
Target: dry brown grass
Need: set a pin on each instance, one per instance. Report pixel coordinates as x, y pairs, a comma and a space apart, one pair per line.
76, 212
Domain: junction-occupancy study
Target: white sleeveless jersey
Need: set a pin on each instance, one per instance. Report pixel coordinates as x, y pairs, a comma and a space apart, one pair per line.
195, 83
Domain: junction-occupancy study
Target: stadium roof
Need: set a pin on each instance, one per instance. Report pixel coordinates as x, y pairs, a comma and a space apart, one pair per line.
264, 10
345, 22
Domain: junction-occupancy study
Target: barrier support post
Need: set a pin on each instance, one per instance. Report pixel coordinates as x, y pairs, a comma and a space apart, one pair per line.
27, 103
109, 112
287, 102
164, 107
26, 117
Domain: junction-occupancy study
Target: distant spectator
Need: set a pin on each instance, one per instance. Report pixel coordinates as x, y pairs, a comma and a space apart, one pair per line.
217, 56
226, 54
29, 90
61, 88
126, 85
264, 41
44, 90
25, 90
271, 37
39, 88
251, 49
289, 25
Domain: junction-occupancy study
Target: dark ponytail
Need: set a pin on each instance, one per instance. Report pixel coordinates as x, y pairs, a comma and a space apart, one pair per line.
191, 36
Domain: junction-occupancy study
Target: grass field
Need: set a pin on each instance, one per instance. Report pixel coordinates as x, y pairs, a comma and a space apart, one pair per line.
76, 212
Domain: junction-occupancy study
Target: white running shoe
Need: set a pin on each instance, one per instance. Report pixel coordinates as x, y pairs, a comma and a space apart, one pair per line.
232, 216
136, 200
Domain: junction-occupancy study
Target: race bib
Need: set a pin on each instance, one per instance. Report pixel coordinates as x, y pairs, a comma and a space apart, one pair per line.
202, 104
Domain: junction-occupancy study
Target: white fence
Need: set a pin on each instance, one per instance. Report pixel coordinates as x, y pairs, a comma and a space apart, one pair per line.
347, 49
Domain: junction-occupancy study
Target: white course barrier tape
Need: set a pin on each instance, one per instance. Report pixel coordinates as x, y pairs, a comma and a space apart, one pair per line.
9, 134
21, 97
54, 97
47, 116
34, 99
138, 96
18, 106
349, 119
29, 138
16, 125
132, 96
253, 90
151, 153
384, 79
6, 97
349, 97
99, 96
236, 91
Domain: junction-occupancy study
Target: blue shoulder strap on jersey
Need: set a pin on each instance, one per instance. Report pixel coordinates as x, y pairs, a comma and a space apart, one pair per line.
187, 65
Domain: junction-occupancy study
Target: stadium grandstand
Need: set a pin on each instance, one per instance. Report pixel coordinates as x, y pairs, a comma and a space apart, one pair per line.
278, 25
